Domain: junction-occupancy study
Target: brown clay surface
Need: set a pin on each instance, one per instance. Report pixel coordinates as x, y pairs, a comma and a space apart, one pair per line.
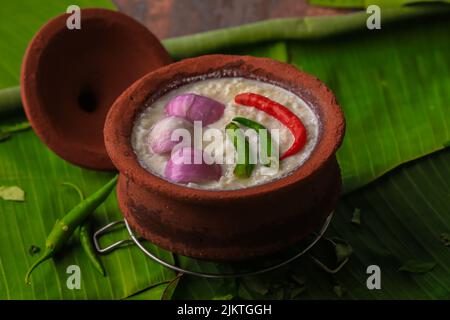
231, 224
70, 78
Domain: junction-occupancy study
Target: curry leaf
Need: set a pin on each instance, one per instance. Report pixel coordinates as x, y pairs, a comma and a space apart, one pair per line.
356, 218
445, 239
343, 250
12, 193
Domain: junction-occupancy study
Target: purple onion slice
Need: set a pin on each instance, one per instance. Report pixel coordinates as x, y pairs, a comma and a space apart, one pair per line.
159, 138
182, 168
194, 107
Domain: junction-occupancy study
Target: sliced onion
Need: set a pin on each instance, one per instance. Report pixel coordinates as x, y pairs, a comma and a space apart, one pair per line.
181, 167
195, 108
159, 138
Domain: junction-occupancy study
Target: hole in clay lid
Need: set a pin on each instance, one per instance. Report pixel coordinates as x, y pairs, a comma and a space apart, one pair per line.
70, 79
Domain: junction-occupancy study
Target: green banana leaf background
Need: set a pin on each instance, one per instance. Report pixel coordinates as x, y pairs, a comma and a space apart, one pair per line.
394, 87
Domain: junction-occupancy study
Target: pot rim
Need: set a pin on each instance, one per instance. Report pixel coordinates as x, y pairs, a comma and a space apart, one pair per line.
120, 120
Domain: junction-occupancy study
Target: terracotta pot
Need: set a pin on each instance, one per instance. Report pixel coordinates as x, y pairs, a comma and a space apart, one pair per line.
70, 78
231, 224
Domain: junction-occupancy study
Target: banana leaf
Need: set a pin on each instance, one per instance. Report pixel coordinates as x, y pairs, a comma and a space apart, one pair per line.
379, 119
386, 116
404, 216
316, 28
26, 162
393, 87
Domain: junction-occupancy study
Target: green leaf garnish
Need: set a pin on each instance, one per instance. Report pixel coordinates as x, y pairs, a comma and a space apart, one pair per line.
445, 239
258, 128
342, 249
415, 266
339, 290
243, 169
12, 193
356, 219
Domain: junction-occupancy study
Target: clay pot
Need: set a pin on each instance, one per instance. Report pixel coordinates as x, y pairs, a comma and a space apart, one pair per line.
70, 78
230, 224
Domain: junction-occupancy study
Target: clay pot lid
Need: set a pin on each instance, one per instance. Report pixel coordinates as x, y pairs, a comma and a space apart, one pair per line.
70, 78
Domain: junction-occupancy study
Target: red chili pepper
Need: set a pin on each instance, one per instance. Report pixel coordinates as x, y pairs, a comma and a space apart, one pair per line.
282, 114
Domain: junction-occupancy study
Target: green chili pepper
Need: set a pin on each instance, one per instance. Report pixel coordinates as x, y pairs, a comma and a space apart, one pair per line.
65, 227
85, 237
257, 127
242, 169
86, 243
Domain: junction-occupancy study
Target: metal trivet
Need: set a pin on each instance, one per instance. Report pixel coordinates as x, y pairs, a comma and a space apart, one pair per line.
134, 239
